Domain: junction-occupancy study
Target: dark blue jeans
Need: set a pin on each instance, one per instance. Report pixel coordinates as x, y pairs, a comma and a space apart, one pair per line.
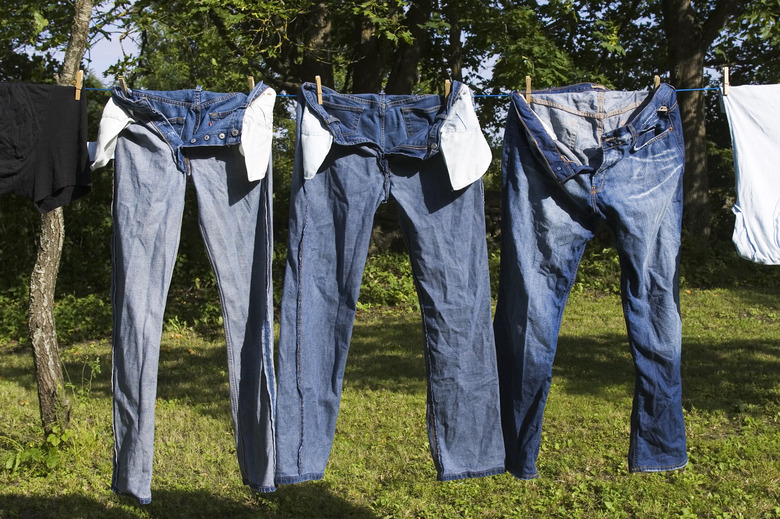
354, 153
577, 156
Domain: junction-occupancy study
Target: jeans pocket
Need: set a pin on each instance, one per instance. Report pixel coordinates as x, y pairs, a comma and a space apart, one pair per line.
648, 136
344, 116
417, 120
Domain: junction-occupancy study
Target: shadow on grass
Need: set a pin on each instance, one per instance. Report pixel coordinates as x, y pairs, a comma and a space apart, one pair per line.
299, 501
725, 375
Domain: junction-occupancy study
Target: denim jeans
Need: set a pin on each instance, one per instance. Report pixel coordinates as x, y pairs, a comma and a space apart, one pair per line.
180, 136
354, 152
577, 156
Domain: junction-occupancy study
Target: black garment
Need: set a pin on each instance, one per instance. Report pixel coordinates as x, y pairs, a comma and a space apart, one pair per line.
43, 144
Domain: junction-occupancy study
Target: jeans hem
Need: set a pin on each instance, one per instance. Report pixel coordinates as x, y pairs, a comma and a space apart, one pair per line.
471, 474
678, 466
525, 476
264, 489
287, 480
141, 500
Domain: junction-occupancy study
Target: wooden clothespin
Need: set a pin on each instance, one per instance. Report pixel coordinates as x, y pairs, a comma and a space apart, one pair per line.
528, 89
726, 81
79, 81
447, 88
318, 81
656, 82
122, 83
251, 81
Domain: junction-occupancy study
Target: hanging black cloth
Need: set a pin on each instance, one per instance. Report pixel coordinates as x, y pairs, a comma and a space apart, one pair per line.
43, 144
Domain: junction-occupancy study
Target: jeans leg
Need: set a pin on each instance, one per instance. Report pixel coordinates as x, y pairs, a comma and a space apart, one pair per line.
235, 218
647, 235
331, 216
445, 235
147, 211
544, 232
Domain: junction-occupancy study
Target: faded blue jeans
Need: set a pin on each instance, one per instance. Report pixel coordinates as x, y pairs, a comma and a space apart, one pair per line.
355, 152
182, 136
577, 156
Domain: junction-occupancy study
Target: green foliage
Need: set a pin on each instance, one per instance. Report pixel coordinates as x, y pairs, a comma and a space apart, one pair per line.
13, 314
387, 280
36, 458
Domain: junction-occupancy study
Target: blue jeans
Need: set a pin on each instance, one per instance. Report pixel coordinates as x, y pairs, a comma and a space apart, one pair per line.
580, 155
384, 146
155, 157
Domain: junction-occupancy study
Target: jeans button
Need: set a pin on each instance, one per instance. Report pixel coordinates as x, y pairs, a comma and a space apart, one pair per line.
222, 136
193, 141
206, 137
234, 132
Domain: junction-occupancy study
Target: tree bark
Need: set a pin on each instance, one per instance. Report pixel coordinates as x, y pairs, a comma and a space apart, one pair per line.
316, 58
404, 74
54, 403
368, 65
688, 40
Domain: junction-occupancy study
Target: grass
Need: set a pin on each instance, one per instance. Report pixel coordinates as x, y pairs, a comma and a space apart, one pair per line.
380, 465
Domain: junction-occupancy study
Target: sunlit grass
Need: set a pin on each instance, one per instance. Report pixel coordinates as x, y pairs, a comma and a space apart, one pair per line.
380, 465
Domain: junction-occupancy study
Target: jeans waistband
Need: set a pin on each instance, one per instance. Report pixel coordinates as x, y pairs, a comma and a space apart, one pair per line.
189, 118
375, 119
622, 117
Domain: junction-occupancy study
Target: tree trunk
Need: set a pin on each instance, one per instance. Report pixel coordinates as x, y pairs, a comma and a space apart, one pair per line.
368, 66
455, 59
316, 58
686, 65
54, 404
689, 36
404, 74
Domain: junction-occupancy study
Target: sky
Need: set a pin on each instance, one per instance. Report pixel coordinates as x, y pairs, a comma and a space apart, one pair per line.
105, 53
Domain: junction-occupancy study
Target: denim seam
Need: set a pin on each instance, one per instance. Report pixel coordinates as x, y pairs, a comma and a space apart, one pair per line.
185, 104
599, 114
660, 468
658, 137
549, 167
298, 331
500, 469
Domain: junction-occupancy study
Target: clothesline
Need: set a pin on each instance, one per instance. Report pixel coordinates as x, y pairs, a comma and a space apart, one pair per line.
475, 95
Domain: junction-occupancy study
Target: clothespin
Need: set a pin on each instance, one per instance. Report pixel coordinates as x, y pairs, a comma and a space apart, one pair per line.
656, 82
725, 81
122, 83
79, 81
318, 81
251, 81
447, 88
528, 89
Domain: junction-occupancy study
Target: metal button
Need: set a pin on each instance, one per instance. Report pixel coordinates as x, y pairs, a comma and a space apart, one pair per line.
206, 137
234, 132
221, 135
193, 141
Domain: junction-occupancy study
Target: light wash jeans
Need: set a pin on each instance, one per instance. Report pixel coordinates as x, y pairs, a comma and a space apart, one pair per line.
577, 156
180, 136
355, 152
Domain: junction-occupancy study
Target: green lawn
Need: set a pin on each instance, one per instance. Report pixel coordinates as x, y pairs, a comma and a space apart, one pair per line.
380, 465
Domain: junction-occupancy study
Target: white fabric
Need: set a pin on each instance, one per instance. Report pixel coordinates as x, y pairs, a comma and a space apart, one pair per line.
113, 121
754, 118
256, 134
257, 130
316, 141
465, 149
